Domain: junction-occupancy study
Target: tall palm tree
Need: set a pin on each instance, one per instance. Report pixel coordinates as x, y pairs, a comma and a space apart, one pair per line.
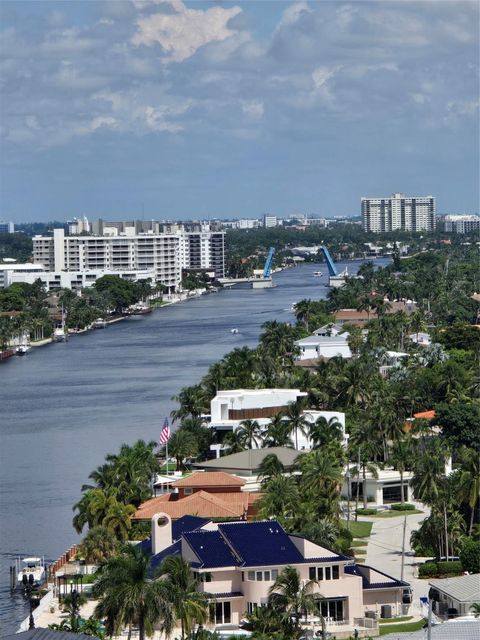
234, 442
304, 310
128, 596
182, 444
470, 481
193, 402
280, 498
429, 471
98, 545
278, 433
322, 432
270, 467
189, 605
401, 459
293, 596
250, 433
118, 519
296, 419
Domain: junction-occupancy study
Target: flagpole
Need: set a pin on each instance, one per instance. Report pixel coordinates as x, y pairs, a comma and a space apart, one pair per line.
166, 454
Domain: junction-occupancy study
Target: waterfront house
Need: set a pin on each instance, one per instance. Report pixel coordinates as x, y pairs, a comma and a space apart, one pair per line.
315, 347
454, 596
237, 563
229, 408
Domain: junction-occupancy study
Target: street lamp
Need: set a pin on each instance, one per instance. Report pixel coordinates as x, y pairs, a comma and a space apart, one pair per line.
347, 478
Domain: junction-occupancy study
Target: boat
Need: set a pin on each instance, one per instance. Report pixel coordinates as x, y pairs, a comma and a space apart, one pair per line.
59, 335
22, 349
99, 323
317, 274
31, 572
233, 330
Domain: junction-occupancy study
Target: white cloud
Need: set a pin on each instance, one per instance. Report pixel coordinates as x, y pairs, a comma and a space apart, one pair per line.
292, 13
321, 75
182, 33
254, 109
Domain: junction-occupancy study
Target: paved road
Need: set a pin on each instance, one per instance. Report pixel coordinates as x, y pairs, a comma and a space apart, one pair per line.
384, 550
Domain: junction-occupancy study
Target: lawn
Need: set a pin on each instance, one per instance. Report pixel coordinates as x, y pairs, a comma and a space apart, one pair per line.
401, 628
396, 620
359, 543
360, 529
395, 514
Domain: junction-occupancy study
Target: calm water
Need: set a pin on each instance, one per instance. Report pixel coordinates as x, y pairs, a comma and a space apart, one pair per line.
64, 406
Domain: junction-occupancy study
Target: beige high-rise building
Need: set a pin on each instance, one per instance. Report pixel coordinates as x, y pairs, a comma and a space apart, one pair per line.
398, 212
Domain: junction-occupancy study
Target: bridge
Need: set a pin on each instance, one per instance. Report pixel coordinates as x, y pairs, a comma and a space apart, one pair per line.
259, 281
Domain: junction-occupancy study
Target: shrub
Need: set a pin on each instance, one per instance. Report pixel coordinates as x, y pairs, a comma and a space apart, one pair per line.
470, 556
440, 569
402, 507
367, 512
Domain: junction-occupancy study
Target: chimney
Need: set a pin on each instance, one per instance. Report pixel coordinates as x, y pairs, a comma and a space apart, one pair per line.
161, 532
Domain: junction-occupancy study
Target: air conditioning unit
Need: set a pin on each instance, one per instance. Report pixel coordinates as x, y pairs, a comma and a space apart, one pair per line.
386, 611
371, 614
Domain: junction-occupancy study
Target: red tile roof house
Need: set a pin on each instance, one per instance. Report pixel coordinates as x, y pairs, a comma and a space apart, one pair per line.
208, 494
238, 562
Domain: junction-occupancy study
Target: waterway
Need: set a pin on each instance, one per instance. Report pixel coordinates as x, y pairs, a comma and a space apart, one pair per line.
64, 406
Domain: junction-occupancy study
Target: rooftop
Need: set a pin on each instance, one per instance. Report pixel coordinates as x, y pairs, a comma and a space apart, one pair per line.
462, 588
250, 460
209, 479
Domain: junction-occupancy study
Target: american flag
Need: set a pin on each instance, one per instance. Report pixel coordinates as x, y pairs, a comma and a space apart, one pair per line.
165, 433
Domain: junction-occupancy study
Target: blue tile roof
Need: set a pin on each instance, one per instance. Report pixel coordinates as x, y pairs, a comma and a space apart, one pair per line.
261, 543
361, 571
211, 549
172, 550
187, 523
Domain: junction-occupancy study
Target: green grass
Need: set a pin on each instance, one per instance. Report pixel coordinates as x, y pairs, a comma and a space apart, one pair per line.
359, 543
394, 620
172, 466
360, 529
395, 514
360, 552
402, 628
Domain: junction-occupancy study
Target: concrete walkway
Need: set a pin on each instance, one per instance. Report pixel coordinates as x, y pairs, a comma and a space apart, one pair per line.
384, 550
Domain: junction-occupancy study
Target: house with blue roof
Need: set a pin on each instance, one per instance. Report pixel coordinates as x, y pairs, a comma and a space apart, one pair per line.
236, 563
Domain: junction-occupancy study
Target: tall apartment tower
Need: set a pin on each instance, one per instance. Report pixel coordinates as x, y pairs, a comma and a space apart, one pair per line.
398, 212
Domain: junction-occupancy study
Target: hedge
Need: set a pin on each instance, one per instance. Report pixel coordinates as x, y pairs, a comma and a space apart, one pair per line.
402, 507
367, 512
439, 569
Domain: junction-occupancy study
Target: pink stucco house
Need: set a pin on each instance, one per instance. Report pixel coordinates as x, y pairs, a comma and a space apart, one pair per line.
238, 562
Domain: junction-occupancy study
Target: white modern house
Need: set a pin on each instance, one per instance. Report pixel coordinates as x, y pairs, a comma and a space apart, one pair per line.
318, 346
229, 409
421, 339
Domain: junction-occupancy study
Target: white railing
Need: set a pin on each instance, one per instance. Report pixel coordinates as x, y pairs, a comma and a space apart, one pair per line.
43, 605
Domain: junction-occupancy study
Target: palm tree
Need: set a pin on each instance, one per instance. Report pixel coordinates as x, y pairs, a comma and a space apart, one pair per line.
182, 444
280, 498
270, 467
292, 596
322, 432
278, 433
320, 470
92, 508
296, 419
127, 596
192, 401
118, 519
249, 433
401, 459
234, 441
303, 311
475, 609
429, 471
190, 606
470, 481
98, 545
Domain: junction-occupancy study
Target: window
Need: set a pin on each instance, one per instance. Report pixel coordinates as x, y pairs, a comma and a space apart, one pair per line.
251, 575
335, 572
188, 491
243, 576
320, 573
259, 575
328, 573
266, 576
274, 574
251, 607
312, 573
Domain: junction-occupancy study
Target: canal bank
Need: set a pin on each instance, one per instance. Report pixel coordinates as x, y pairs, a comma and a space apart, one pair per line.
67, 405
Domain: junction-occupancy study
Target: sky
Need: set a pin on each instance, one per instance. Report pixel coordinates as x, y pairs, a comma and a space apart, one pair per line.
169, 109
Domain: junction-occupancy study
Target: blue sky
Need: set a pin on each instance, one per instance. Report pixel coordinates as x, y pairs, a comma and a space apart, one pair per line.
226, 109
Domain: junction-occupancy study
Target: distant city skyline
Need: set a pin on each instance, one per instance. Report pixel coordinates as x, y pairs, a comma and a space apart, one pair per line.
177, 110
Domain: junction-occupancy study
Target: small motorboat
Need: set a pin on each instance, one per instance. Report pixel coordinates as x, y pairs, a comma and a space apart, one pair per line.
99, 323
31, 572
22, 349
234, 330
59, 335
317, 274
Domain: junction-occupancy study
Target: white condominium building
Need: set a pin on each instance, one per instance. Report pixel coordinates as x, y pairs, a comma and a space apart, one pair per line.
398, 212
163, 254
463, 223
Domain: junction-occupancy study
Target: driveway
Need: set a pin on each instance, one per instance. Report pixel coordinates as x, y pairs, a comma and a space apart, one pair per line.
384, 550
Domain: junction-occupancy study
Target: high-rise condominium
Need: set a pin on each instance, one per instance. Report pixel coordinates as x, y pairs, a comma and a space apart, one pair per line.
398, 212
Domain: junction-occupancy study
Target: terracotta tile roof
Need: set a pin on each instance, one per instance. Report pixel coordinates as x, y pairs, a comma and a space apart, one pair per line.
426, 415
202, 504
353, 314
209, 479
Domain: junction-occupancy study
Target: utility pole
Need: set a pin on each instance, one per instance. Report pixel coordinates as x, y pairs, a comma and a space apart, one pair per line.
429, 618
403, 547
446, 531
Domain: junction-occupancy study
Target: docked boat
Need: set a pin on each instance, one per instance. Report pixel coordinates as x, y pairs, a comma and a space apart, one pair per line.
22, 349
59, 335
99, 323
31, 572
